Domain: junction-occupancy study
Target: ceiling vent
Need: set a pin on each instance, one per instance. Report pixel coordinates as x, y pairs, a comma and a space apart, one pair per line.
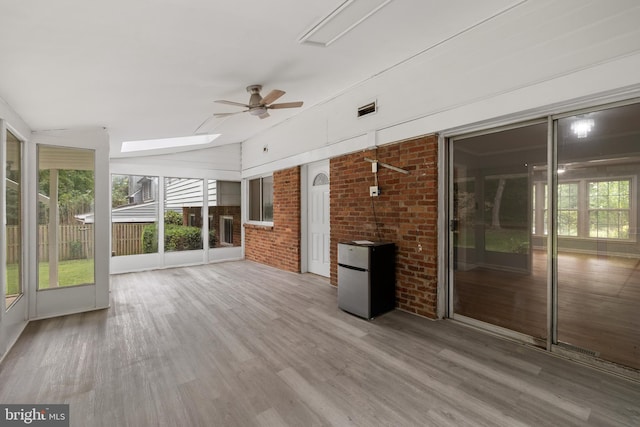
370, 108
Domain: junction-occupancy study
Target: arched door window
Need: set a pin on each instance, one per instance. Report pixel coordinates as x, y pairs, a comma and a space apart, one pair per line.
321, 179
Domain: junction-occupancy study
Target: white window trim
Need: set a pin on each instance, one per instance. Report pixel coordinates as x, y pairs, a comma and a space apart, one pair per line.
248, 202
583, 208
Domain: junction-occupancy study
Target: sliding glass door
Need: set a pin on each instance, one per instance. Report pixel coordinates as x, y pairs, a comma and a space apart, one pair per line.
508, 213
499, 266
598, 275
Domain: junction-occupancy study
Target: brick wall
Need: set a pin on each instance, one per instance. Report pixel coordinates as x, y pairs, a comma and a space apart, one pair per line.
215, 212
279, 245
406, 213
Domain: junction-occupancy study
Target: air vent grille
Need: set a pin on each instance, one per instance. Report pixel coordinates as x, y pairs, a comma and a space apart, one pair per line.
370, 108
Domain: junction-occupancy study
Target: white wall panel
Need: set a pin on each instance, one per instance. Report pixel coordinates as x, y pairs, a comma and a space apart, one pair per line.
217, 163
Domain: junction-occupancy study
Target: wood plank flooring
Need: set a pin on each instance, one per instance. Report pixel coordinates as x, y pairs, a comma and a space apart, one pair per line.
242, 344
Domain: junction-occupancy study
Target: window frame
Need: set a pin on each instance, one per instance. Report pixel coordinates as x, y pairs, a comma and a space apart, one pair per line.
250, 201
631, 209
584, 210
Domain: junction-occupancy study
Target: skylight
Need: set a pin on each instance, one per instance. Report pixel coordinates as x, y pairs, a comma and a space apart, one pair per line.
156, 144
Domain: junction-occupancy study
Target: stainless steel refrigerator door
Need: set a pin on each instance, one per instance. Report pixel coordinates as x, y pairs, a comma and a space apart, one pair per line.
353, 291
353, 256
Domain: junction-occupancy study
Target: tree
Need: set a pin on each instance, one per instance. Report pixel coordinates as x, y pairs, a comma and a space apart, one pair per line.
497, 201
75, 192
119, 191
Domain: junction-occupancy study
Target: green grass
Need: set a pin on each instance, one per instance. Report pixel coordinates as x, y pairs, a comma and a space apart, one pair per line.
505, 240
500, 240
70, 273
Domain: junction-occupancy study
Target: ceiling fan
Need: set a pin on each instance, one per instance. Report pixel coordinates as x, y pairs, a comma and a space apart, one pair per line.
258, 105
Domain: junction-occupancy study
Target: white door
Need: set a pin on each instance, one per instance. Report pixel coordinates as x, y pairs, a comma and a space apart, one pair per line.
318, 218
69, 247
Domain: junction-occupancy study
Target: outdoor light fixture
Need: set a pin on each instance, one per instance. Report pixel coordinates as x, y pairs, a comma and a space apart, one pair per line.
582, 127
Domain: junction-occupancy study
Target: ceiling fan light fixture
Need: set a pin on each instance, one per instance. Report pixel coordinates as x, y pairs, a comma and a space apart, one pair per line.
258, 111
582, 127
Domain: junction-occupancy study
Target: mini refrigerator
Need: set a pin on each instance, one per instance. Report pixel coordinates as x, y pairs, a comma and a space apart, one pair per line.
366, 278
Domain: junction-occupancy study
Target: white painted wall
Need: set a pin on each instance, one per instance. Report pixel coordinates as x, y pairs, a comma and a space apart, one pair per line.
559, 54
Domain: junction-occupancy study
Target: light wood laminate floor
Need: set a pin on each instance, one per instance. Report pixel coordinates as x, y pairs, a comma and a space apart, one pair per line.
242, 344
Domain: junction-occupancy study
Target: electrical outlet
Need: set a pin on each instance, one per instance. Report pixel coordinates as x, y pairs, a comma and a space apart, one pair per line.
374, 191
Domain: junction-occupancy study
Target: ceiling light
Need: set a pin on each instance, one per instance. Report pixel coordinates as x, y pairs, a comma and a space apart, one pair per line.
156, 144
342, 20
582, 127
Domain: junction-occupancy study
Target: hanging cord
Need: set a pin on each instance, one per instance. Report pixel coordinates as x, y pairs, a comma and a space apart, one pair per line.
373, 208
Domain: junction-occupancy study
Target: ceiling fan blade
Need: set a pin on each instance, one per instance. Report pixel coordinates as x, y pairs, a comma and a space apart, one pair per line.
229, 114
237, 104
286, 105
264, 115
272, 96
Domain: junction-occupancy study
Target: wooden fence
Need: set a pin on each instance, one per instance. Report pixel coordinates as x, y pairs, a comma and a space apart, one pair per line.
126, 238
76, 241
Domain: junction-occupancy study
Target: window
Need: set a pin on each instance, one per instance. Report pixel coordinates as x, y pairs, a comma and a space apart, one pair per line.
147, 188
183, 207
261, 199
225, 213
589, 208
609, 209
321, 179
226, 230
134, 216
567, 209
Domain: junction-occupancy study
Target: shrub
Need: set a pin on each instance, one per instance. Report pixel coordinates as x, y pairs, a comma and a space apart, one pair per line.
176, 238
150, 239
173, 218
182, 238
212, 238
75, 249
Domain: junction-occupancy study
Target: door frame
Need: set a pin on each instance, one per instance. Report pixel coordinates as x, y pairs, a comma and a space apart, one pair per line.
446, 140
75, 299
305, 200
13, 320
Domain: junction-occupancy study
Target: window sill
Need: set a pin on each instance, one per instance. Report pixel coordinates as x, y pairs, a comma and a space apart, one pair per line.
258, 225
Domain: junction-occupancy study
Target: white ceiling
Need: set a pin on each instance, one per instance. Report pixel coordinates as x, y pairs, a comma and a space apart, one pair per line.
152, 68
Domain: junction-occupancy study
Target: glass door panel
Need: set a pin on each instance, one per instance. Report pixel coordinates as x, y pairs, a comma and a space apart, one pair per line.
499, 254
598, 242
66, 188
13, 229
183, 210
